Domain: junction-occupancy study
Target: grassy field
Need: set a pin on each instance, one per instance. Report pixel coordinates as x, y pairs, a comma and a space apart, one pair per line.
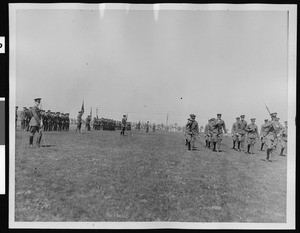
102, 176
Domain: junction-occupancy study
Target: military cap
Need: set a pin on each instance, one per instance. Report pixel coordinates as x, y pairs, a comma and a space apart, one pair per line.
274, 114
285, 122
212, 119
238, 118
124, 115
79, 112
252, 119
37, 99
219, 114
242, 116
17, 107
266, 119
192, 115
48, 111
57, 112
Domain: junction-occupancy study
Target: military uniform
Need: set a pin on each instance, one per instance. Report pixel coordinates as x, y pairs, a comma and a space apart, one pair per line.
274, 129
235, 129
192, 130
207, 135
283, 139
35, 123
263, 133
88, 123
147, 127
242, 134
79, 122
252, 134
123, 125
217, 133
153, 128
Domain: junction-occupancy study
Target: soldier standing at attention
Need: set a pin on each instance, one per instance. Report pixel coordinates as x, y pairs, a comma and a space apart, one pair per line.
88, 123
16, 115
235, 132
273, 129
123, 125
242, 133
263, 133
192, 130
207, 134
283, 138
220, 126
79, 122
147, 127
251, 135
35, 123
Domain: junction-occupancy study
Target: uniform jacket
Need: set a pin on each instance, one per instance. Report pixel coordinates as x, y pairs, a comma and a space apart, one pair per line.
263, 130
36, 116
243, 125
192, 127
252, 130
273, 127
206, 129
124, 121
219, 126
235, 128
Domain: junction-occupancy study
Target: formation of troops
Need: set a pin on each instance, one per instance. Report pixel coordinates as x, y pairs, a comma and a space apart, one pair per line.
272, 134
52, 121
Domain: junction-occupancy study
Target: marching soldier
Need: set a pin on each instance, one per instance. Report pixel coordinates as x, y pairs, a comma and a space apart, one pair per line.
35, 123
252, 133
273, 129
242, 125
123, 124
235, 132
79, 122
263, 133
207, 134
283, 138
217, 132
192, 130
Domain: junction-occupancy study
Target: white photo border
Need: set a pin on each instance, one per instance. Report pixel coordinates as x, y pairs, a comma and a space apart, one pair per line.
291, 165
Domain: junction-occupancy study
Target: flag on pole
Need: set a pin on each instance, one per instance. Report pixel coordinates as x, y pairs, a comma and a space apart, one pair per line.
82, 107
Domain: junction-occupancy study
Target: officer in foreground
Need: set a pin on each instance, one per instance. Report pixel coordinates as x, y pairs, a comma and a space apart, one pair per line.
36, 123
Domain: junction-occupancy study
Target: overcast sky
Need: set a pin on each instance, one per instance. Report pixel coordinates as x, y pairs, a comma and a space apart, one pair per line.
122, 62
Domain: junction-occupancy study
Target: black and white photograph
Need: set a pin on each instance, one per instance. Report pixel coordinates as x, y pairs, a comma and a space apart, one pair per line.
152, 116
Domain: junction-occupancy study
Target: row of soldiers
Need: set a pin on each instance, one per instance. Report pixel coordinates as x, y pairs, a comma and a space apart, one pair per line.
272, 134
51, 121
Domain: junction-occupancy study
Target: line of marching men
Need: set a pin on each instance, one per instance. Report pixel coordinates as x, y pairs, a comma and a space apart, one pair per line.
52, 121
272, 134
